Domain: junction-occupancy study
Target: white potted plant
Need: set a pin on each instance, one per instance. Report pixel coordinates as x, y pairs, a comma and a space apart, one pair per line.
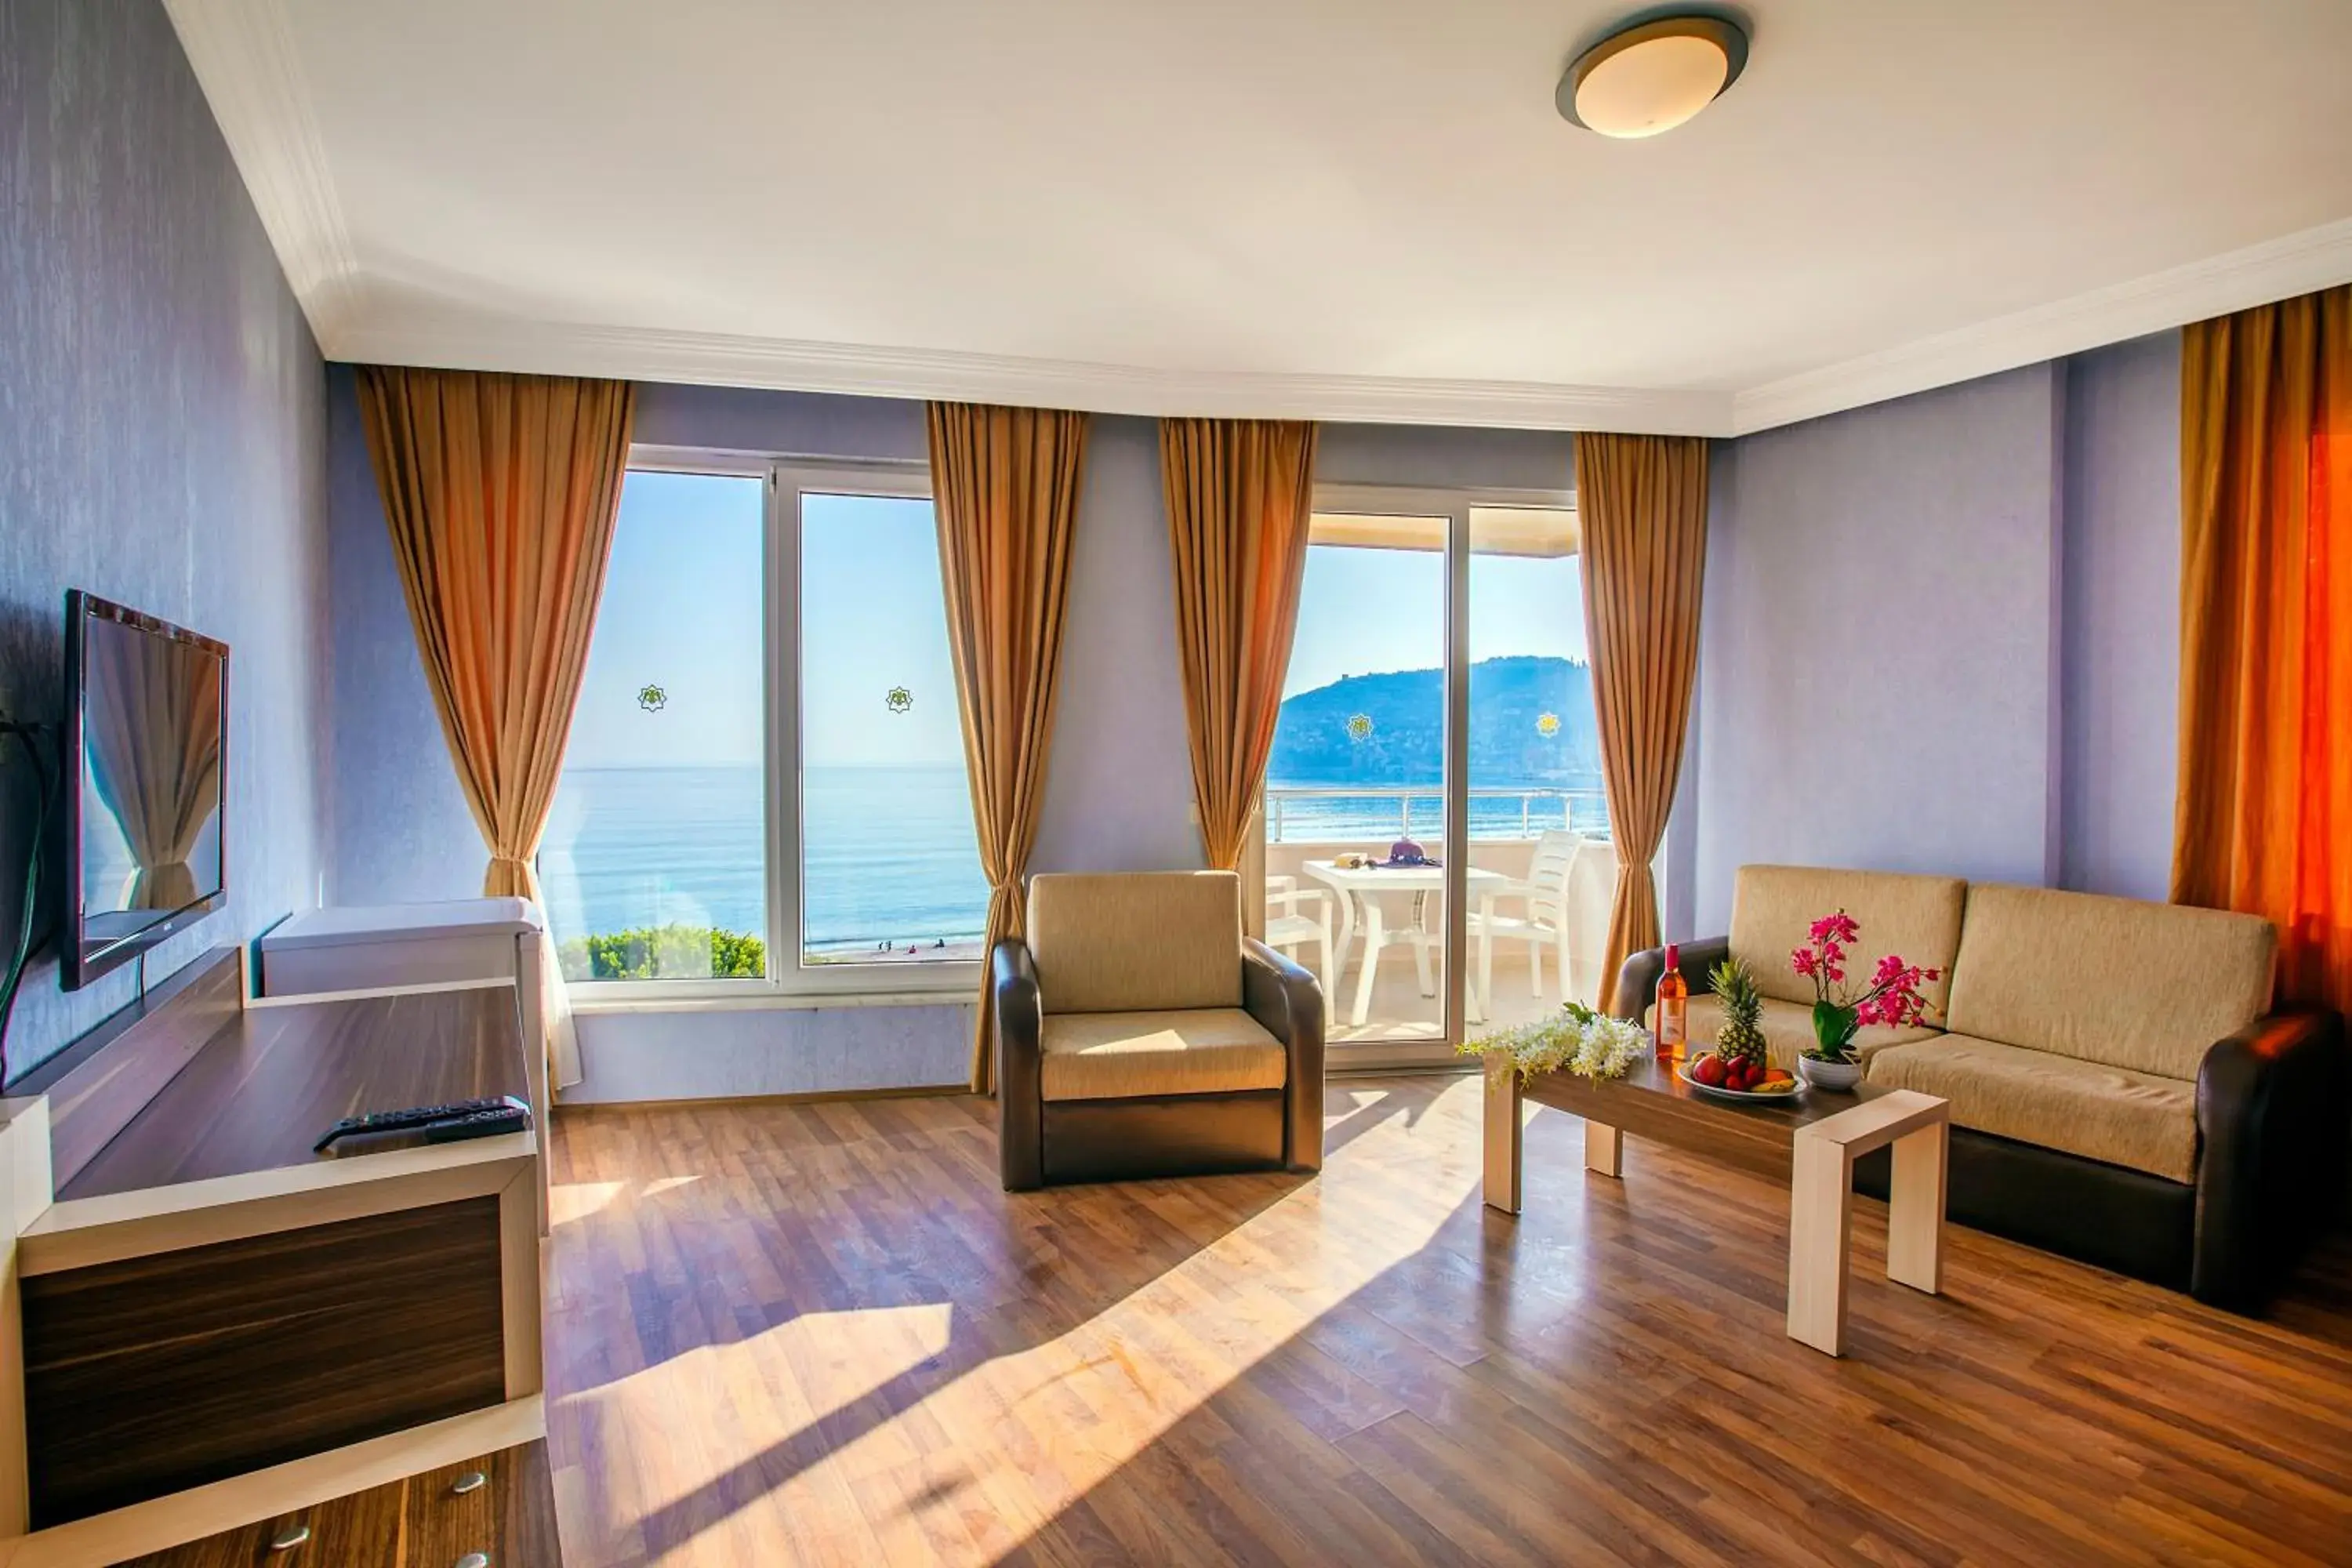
1576, 1038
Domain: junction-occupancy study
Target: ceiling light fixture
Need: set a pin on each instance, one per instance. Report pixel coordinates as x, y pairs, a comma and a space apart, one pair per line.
1652, 77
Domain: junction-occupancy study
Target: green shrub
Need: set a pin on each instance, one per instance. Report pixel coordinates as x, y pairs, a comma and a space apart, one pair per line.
665, 953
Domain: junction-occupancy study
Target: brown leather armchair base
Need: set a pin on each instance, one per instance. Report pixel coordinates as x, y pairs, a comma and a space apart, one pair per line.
1046, 1143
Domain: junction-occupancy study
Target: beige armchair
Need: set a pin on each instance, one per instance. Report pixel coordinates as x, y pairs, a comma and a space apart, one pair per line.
1139, 1034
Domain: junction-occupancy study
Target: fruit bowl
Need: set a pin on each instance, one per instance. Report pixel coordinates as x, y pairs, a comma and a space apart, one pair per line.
1776, 1094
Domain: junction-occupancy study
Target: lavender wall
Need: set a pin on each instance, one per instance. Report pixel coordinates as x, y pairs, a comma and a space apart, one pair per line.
1879, 643
162, 443
2121, 617
1119, 787
1943, 634
1950, 617
402, 830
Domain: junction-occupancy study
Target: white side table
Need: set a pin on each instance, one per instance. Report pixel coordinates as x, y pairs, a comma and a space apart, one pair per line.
1820, 1206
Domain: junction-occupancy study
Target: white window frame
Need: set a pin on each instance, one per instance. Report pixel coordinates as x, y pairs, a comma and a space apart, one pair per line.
789, 982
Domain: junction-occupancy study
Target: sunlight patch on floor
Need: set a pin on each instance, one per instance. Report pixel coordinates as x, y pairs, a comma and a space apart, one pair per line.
691, 1423
997, 1450
570, 1201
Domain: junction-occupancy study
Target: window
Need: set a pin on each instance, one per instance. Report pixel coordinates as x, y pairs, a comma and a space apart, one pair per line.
765, 791
889, 864
655, 862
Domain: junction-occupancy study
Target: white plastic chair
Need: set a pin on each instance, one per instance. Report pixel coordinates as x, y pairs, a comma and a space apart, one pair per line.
1543, 895
1591, 885
1287, 928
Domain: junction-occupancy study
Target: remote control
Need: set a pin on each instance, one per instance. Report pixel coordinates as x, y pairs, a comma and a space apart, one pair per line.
478, 1124
425, 1116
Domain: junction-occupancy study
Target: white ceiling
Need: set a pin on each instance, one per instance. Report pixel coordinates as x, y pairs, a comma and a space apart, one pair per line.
1334, 208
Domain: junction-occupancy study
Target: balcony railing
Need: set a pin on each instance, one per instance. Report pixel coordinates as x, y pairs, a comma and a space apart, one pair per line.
1336, 813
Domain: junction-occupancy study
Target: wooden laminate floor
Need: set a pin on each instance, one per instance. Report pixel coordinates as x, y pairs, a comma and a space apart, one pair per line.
820, 1333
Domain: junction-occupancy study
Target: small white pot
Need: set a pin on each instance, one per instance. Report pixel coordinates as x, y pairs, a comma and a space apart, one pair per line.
1829, 1075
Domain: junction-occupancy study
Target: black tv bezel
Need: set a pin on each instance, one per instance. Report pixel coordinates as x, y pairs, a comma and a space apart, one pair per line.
77, 964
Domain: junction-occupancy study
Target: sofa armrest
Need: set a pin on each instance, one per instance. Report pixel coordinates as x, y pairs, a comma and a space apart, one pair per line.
2271, 1119
1637, 981
1289, 1004
1020, 1019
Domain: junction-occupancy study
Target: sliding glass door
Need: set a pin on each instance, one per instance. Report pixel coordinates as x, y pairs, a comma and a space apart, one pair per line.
1355, 810
1433, 776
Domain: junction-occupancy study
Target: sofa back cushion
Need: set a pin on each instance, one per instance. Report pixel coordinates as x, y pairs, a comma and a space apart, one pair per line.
1137, 941
2114, 980
1918, 917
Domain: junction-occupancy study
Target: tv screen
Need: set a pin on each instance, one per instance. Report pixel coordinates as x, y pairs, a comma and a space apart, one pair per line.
146, 742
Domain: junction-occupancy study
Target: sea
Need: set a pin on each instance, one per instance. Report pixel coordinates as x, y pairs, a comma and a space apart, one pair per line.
889, 859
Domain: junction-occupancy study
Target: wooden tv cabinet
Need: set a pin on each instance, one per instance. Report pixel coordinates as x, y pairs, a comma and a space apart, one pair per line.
204, 1327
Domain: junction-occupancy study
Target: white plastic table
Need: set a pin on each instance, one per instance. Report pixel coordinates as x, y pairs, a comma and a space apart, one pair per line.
1372, 887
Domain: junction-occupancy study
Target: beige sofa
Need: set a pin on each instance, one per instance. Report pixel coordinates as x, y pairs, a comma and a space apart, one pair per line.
2126, 1094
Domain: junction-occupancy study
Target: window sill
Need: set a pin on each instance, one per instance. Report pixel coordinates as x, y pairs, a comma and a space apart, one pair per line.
767, 1001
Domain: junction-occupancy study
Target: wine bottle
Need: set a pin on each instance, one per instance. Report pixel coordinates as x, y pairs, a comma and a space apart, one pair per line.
1674, 1009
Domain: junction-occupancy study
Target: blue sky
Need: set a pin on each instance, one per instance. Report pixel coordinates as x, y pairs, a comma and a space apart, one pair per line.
1365, 611
682, 611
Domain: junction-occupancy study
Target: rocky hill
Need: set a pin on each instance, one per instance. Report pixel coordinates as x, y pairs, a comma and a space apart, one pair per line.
1397, 738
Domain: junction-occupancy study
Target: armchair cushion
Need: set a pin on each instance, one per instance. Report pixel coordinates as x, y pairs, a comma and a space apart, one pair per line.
1134, 942
2148, 987
1122, 1055
2140, 1120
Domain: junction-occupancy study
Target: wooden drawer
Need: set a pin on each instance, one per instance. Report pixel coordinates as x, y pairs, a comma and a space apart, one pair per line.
421, 1522
168, 1371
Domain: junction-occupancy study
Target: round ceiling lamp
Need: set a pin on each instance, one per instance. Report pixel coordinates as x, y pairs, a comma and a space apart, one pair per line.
1651, 77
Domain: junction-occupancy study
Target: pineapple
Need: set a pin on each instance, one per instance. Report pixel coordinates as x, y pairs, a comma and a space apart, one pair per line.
1740, 1041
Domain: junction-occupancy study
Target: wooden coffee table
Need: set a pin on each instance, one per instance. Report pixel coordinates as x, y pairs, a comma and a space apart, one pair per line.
1811, 1145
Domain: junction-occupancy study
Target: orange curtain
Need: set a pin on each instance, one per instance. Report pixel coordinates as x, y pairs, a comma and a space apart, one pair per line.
1005, 487
1641, 502
501, 492
1239, 505
2263, 816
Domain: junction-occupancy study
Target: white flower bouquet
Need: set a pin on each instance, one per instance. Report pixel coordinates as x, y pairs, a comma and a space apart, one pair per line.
1575, 1039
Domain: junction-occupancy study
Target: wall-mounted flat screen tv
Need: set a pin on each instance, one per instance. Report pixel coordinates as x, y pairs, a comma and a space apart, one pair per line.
146, 748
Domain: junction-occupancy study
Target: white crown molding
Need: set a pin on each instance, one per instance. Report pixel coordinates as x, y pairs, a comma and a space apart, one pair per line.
718, 360
244, 56
2297, 263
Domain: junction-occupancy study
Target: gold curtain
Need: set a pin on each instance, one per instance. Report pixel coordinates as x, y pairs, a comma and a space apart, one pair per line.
1641, 502
2264, 814
1239, 506
1005, 487
502, 493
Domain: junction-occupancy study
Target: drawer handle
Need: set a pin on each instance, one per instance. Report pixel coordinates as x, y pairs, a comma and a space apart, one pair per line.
294, 1535
475, 1560
471, 1481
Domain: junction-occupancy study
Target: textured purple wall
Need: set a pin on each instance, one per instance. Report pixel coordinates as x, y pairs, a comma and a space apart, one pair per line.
161, 442
1943, 634
1117, 793
1880, 643
2122, 617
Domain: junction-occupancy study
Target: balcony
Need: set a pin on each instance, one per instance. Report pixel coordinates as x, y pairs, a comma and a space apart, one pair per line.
1506, 826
